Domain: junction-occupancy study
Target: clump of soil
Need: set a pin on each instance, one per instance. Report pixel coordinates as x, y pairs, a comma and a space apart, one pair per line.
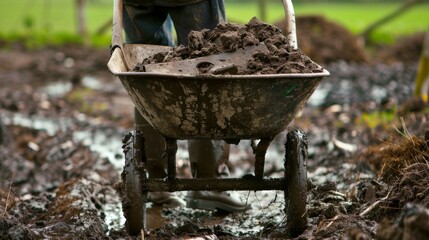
413, 223
325, 41
404, 166
345, 227
390, 160
228, 37
411, 188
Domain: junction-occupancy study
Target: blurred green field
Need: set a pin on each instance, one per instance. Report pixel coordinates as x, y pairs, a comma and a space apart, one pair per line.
54, 20
354, 16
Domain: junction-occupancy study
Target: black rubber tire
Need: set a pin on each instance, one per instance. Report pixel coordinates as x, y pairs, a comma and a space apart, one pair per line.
133, 204
296, 177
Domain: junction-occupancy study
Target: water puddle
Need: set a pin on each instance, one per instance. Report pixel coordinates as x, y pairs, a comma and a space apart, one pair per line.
267, 208
319, 95
94, 83
57, 89
62, 88
114, 218
51, 126
378, 93
104, 141
343, 90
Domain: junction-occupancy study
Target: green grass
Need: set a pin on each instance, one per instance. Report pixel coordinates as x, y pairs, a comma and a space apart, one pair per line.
53, 21
377, 118
50, 15
40, 21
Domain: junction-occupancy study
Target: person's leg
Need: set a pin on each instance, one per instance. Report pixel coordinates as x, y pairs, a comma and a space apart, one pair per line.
208, 160
208, 157
205, 155
195, 17
150, 25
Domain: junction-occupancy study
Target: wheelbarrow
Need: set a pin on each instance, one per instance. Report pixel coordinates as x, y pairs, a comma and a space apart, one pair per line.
223, 107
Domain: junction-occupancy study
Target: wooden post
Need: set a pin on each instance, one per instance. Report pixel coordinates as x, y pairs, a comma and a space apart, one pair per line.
81, 21
422, 79
262, 10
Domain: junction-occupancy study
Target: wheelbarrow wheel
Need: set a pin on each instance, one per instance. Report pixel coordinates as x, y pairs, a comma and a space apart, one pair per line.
133, 200
296, 177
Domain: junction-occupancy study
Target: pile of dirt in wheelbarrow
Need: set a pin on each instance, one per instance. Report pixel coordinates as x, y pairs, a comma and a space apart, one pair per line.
279, 57
325, 41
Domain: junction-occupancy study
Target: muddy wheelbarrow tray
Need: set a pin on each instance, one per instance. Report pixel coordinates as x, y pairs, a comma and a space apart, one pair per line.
227, 107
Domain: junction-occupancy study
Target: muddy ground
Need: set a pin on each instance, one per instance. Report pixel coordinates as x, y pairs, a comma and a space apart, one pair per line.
64, 116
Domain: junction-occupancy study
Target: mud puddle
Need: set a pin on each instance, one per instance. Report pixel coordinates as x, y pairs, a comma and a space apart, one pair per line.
266, 212
104, 141
60, 89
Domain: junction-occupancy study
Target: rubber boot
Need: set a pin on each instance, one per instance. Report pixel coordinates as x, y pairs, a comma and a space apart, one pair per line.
156, 165
208, 160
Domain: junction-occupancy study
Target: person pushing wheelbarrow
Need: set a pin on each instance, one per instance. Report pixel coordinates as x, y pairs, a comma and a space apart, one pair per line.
151, 22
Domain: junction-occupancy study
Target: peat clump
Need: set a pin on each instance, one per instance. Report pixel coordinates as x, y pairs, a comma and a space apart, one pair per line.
279, 56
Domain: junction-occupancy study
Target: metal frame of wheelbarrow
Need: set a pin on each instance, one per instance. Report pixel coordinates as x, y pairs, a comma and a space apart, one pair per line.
146, 90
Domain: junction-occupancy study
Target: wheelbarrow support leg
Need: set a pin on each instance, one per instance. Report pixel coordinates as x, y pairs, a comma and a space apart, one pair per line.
296, 177
170, 152
260, 152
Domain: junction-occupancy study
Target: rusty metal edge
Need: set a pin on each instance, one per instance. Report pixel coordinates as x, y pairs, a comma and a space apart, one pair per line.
325, 73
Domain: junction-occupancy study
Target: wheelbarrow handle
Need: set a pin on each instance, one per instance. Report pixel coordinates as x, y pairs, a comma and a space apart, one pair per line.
290, 23
117, 29
118, 24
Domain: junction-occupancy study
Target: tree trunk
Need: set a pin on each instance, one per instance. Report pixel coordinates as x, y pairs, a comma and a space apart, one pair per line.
81, 21
262, 10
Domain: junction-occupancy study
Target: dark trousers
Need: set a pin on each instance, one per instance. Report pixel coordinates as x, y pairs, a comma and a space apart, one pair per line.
154, 25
